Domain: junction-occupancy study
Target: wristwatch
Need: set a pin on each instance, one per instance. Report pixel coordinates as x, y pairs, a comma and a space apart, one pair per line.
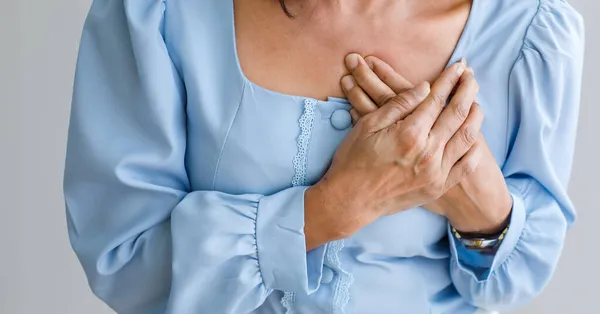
482, 242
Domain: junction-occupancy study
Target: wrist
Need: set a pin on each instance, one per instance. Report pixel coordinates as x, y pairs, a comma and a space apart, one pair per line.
320, 213
489, 221
329, 213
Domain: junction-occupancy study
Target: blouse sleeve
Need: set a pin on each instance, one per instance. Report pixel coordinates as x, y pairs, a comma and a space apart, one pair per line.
147, 243
544, 96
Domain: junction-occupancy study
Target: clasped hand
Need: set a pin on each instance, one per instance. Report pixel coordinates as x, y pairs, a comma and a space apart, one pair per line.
413, 146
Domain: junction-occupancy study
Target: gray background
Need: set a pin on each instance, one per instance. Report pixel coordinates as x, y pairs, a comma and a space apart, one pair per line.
38, 271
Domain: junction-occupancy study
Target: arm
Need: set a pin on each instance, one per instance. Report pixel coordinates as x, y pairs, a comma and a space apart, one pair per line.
148, 244
544, 99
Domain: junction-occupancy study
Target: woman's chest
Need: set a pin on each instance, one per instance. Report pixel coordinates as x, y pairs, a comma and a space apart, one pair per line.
244, 138
304, 55
271, 141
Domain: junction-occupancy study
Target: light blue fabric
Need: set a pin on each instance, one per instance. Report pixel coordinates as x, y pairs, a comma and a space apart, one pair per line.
184, 181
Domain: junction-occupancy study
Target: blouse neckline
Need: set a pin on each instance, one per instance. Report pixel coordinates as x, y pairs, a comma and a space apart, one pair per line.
460, 50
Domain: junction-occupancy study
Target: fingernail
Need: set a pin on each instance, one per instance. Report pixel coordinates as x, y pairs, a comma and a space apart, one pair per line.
348, 82
352, 61
460, 69
423, 89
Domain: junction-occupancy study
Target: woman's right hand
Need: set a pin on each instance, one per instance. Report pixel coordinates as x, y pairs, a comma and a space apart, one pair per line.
405, 154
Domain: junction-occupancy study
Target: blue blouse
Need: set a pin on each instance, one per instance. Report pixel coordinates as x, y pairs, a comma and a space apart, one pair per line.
185, 181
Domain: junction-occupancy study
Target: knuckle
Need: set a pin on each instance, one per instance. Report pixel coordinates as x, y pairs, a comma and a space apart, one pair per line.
470, 166
410, 142
461, 111
412, 136
468, 136
439, 98
427, 158
400, 102
429, 155
382, 99
454, 79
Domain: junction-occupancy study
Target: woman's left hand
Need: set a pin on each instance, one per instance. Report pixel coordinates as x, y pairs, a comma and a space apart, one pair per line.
481, 202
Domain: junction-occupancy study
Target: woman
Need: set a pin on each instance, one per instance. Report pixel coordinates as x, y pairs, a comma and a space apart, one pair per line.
197, 182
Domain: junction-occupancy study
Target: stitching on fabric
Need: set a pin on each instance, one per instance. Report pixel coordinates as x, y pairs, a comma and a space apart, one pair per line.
227, 135
300, 163
262, 278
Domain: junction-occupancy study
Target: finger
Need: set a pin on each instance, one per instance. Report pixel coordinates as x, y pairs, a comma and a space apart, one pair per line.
388, 75
368, 80
454, 115
462, 141
427, 113
396, 110
465, 166
355, 116
357, 96
405, 103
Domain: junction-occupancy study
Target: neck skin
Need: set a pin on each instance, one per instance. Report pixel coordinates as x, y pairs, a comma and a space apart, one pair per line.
366, 8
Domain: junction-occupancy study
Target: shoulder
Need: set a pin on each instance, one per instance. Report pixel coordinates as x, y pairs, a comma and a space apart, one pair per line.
556, 30
549, 27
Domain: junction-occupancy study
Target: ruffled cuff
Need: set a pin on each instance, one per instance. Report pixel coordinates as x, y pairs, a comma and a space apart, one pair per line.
284, 263
480, 265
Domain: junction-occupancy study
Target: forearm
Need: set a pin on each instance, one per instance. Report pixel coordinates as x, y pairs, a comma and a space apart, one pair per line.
481, 202
328, 215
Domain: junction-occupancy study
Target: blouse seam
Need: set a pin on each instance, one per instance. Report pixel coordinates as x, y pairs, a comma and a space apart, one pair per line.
163, 33
227, 135
517, 59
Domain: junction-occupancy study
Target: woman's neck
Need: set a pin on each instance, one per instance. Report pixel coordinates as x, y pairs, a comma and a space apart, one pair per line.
320, 9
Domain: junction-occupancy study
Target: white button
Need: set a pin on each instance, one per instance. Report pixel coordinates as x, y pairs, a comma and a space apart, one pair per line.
341, 119
327, 276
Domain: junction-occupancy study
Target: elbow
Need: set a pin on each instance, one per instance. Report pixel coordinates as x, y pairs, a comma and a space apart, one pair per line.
103, 270
130, 277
